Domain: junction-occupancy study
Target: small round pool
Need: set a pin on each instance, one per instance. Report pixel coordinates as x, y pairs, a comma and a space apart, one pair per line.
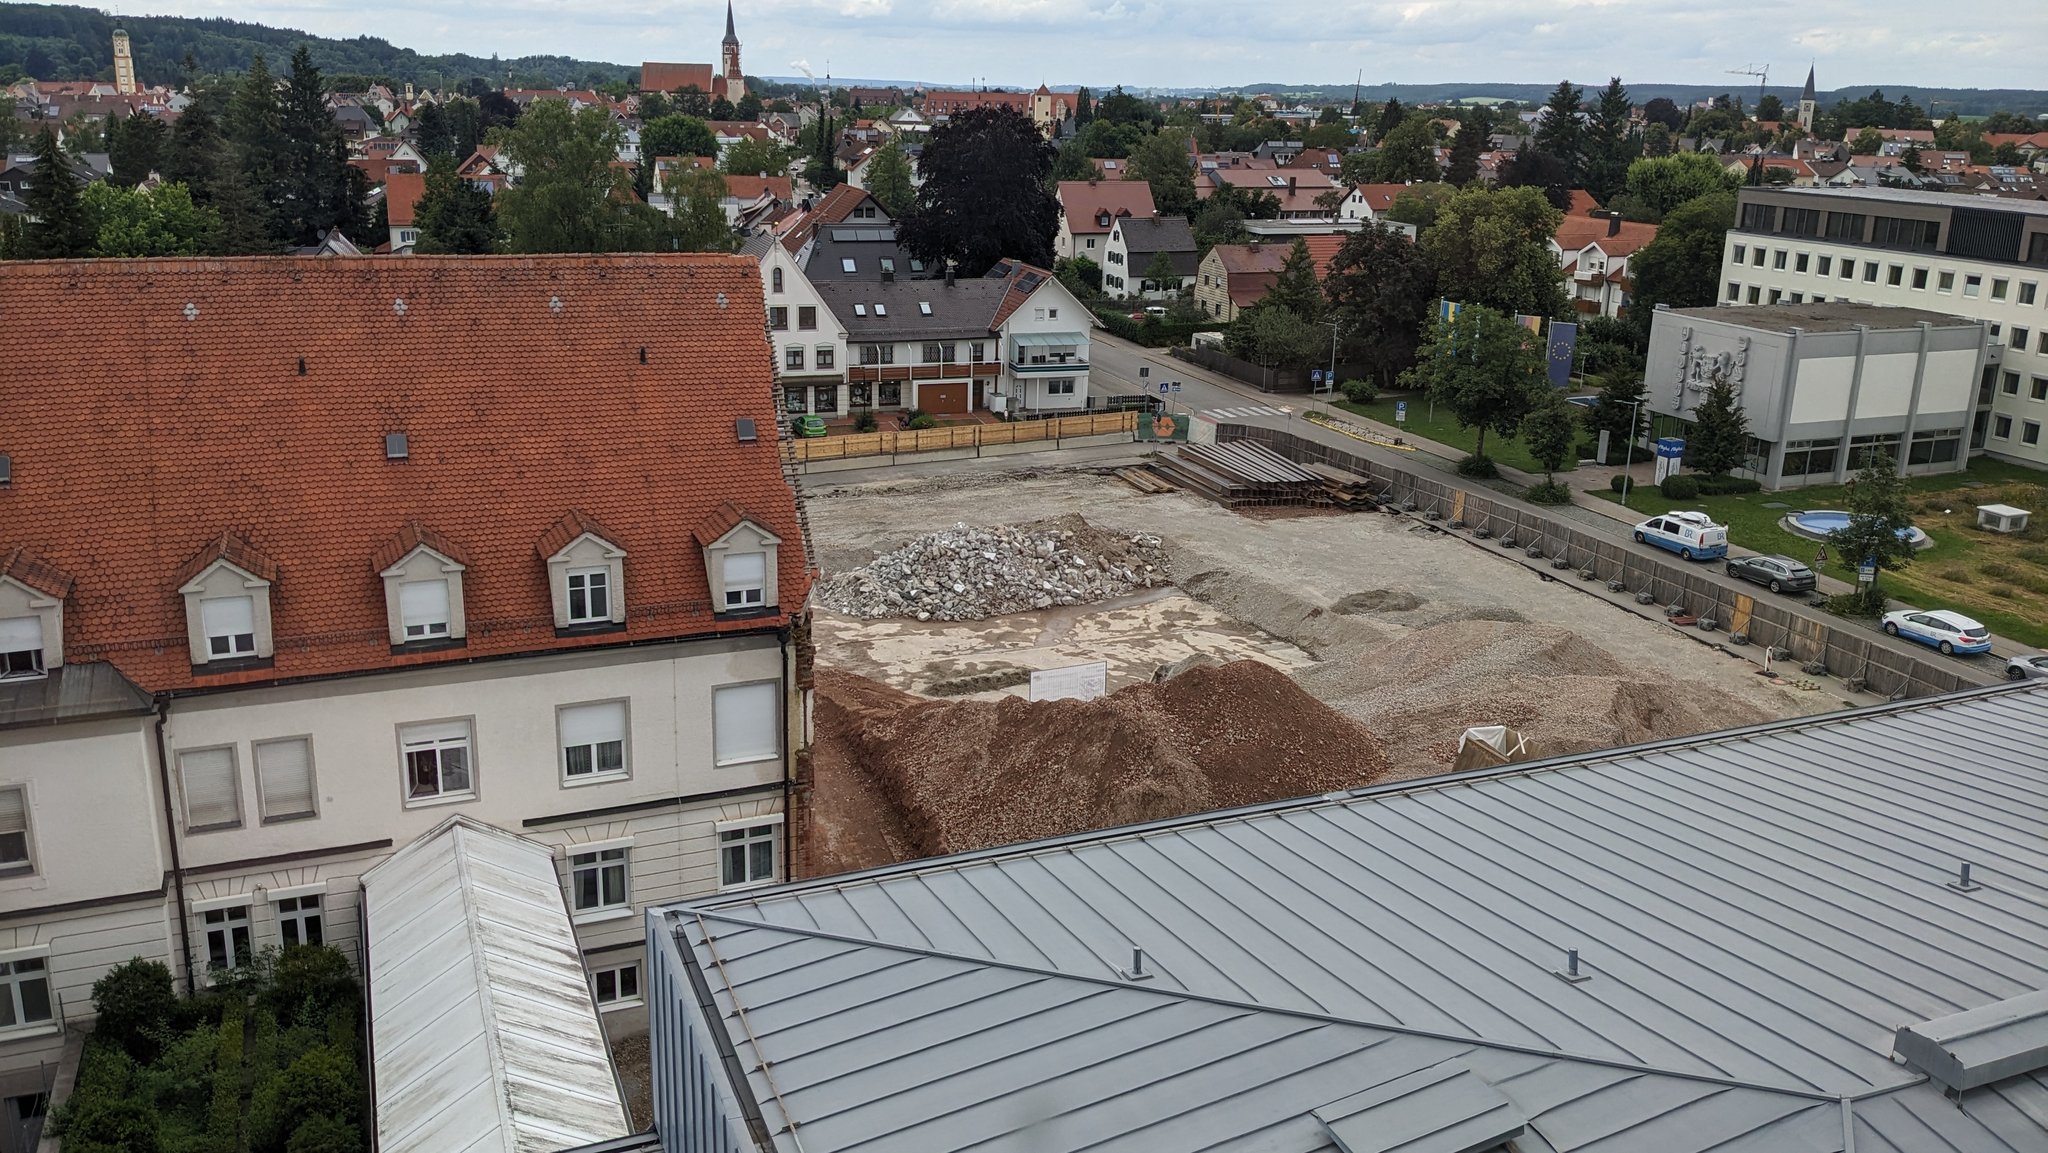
1816, 524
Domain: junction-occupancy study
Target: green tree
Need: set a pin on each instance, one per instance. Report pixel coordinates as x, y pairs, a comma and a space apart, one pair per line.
1550, 431
1493, 248
1559, 131
1682, 266
751, 157
1662, 183
570, 198
1082, 276
1327, 136
1296, 288
1270, 335
1867, 142
1610, 142
1391, 116
748, 108
700, 223
1380, 286
255, 128
1407, 153
1621, 412
1071, 163
162, 221
1163, 161
244, 215
676, 135
135, 1000
319, 189
454, 216
1160, 275
1878, 514
1482, 367
1467, 146
821, 170
1657, 141
1537, 169
1910, 160
1084, 107
192, 153
1418, 204
984, 195
60, 225
889, 180
1720, 432
134, 146
1770, 107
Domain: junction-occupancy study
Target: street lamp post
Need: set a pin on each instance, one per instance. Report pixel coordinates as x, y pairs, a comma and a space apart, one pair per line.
1628, 452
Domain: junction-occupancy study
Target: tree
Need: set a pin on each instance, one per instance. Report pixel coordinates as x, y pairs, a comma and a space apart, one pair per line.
1878, 515
984, 195
244, 215
1492, 247
192, 154
570, 198
1296, 288
677, 135
889, 180
1407, 153
1391, 117
1071, 163
1380, 287
751, 157
1163, 160
1269, 335
1610, 142
1082, 276
1663, 183
1467, 145
1720, 432
134, 145
1160, 274
1559, 131
1537, 169
62, 227
700, 221
162, 221
134, 1000
1682, 266
1484, 368
1550, 431
454, 216
1663, 110
255, 130
316, 193
1910, 160
1418, 204
1657, 140
821, 171
748, 108
1770, 107
1084, 107
1621, 412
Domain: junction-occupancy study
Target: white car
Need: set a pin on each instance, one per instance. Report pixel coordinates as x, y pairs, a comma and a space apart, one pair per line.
2027, 667
1692, 535
1939, 628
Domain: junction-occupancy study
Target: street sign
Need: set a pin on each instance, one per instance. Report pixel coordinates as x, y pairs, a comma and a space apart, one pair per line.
1176, 388
1867, 571
1400, 412
1144, 370
1163, 388
1315, 376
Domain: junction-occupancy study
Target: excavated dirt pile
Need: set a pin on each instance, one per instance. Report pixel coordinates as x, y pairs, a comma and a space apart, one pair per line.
966, 573
947, 776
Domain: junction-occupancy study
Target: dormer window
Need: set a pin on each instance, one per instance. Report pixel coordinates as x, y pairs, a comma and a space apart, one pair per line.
422, 573
746, 580
230, 625
586, 572
32, 596
739, 561
589, 596
227, 602
21, 647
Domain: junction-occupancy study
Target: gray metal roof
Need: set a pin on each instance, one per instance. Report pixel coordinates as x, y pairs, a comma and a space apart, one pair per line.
1758, 912
74, 692
1925, 199
1818, 316
964, 310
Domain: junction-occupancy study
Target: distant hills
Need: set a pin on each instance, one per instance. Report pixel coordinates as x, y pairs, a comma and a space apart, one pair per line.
1938, 102
64, 42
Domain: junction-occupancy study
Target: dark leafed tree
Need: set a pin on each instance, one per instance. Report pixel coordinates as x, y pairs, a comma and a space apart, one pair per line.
1621, 401
1878, 513
1391, 116
1720, 432
1559, 131
571, 197
677, 135
316, 192
1380, 287
1484, 368
1407, 153
1163, 161
889, 180
61, 227
1663, 110
1466, 146
1682, 266
134, 146
1296, 288
1535, 168
1770, 107
985, 195
1610, 142
1550, 431
255, 130
453, 215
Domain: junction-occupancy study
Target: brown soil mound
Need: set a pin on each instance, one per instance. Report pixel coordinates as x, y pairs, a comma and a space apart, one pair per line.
899, 775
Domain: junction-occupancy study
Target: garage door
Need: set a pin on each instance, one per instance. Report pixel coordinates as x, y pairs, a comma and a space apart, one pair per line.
943, 399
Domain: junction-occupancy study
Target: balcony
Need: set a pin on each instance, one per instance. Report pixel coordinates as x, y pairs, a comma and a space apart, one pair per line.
1035, 353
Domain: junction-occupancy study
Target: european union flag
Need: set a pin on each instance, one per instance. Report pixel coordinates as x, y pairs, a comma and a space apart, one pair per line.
1564, 339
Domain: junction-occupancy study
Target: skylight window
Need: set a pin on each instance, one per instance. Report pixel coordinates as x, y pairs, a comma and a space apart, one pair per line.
881, 310
846, 264
860, 310
924, 308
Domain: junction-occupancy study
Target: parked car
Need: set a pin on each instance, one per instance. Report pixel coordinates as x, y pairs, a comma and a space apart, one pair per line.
2027, 667
808, 425
1777, 573
1692, 535
1939, 628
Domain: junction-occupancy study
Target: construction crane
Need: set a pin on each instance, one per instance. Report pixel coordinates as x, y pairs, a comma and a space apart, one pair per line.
1763, 78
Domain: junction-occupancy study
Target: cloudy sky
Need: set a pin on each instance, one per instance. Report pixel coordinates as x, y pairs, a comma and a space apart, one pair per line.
1225, 43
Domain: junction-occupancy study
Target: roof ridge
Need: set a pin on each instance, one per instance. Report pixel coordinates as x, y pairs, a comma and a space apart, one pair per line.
702, 915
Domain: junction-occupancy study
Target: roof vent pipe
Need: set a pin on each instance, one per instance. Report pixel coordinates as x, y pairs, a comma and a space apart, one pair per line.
1571, 972
1963, 883
1137, 970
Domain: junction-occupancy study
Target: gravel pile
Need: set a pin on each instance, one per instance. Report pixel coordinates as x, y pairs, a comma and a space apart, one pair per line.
966, 573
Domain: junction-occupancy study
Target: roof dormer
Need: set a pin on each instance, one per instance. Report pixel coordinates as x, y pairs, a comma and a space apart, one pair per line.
32, 593
423, 601
226, 587
586, 575
740, 559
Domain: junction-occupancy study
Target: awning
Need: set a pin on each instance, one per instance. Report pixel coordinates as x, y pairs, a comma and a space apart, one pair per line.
1052, 339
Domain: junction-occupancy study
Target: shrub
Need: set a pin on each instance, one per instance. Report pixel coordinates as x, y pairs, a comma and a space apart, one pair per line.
104, 1124
865, 422
1725, 485
320, 1083
1957, 575
135, 1001
1478, 466
2035, 555
223, 1122
1867, 602
325, 1135
1680, 487
1548, 492
306, 982
923, 420
1359, 391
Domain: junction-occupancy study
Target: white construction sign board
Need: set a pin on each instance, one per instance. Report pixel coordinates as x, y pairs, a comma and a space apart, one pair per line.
1072, 683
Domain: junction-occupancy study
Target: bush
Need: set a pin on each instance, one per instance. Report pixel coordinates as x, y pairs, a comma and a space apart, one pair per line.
923, 420
135, 1001
1617, 482
1478, 466
306, 982
108, 1125
1680, 487
1359, 391
1548, 492
1727, 485
1866, 602
865, 422
223, 1122
325, 1135
321, 1083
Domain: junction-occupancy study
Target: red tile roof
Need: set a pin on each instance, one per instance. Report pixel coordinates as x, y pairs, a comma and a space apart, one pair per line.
139, 445
657, 77
1261, 259
1083, 200
234, 548
837, 204
751, 188
1380, 197
23, 564
1576, 232
415, 535
402, 193
719, 521
1582, 203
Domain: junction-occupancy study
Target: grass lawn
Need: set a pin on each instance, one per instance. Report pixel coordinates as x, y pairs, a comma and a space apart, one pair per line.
1444, 430
2000, 580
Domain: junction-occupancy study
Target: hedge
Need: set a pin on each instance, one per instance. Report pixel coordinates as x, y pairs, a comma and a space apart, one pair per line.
1727, 485
1680, 487
1152, 333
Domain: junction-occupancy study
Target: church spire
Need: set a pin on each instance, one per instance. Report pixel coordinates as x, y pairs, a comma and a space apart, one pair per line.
731, 37
1806, 95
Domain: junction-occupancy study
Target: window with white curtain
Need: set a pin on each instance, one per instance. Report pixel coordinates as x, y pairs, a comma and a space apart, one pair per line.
21, 647
230, 626
14, 847
284, 778
746, 580
593, 740
745, 721
208, 776
423, 609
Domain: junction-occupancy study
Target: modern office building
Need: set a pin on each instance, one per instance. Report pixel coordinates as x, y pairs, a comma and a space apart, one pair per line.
1982, 258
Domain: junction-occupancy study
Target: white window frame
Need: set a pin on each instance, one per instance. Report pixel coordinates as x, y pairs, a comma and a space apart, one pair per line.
11, 983
420, 624
602, 587
747, 593
27, 864
754, 831
299, 913
31, 668
571, 779
232, 650
220, 918
234, 788
748, 756
437, 736
601, 862
263, 799
618, 998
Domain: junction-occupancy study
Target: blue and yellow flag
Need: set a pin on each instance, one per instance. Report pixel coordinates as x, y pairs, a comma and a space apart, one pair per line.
1564, 339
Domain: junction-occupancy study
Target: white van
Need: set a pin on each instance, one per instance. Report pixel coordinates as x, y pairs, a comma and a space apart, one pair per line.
1692, 535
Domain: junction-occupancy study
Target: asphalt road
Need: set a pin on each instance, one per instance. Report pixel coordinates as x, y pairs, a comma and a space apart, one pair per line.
1114, 366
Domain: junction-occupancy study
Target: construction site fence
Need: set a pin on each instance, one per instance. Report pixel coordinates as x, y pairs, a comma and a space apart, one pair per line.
896, 442
1809, 634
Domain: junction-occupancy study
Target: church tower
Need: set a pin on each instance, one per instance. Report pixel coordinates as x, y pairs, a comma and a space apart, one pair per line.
1806, 102
729, 60
124, 65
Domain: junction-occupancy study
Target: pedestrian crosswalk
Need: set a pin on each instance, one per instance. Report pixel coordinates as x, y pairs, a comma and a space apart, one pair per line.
1242, 411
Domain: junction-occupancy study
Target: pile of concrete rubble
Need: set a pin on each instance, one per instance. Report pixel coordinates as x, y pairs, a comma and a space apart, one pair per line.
966, 573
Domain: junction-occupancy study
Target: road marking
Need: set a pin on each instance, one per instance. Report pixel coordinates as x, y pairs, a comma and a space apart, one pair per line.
1244, 410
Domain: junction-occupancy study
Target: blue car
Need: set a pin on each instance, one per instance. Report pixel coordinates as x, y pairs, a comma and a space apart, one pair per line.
1692, 535
1939, 629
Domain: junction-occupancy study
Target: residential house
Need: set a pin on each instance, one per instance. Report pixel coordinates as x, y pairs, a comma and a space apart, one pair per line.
488, 169
1233, 277
1110, 169
1281, 153
908, 124
1090, 208
809, 342
1300, 191
402, 193
381, 555
750, 198
1134, 242
354, 122
1594, 252
1369, 202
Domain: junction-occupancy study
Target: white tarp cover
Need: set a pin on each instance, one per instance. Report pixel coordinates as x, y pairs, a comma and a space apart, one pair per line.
484, 1034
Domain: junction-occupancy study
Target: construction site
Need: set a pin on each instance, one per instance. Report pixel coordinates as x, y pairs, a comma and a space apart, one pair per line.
1255, 641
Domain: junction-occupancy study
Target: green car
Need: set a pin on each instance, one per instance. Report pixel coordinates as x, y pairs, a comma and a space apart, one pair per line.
809, 426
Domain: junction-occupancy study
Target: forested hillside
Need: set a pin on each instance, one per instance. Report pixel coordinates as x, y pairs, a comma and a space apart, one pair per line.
64, 42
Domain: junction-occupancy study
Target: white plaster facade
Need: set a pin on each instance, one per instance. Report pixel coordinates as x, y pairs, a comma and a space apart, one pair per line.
1039, 376
810, 344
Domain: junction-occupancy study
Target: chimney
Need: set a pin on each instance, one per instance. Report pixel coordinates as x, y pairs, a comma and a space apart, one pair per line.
1614, 224
949, 272
888, 276
1290, 185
